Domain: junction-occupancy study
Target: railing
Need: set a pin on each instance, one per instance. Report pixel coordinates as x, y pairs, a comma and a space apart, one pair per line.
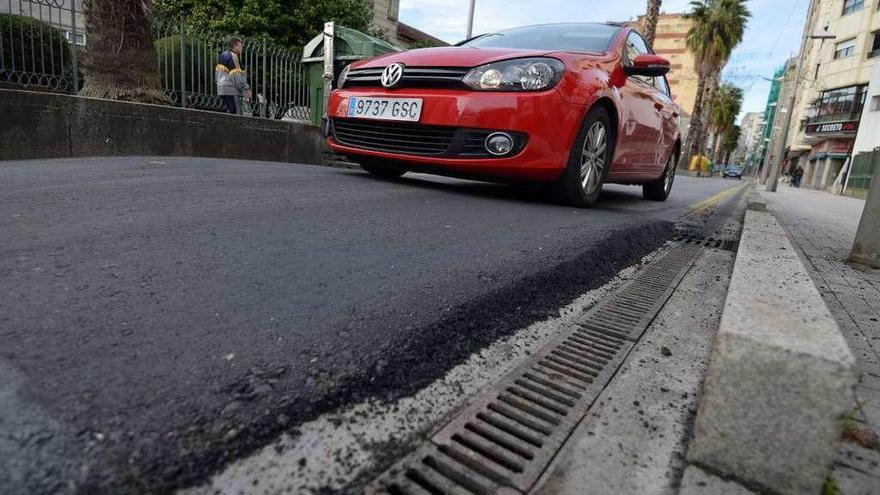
865, 166
40, 41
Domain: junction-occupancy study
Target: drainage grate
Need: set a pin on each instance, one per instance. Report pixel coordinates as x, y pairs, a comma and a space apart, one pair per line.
505, 439
710, 242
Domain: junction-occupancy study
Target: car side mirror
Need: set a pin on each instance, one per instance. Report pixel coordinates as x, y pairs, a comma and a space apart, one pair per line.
647, 65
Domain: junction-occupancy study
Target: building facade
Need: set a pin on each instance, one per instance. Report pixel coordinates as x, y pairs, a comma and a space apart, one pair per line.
750, 135
839, 56
769, 120
669, 42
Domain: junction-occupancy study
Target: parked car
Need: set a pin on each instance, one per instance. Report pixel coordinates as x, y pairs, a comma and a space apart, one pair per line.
733, 171
576, 105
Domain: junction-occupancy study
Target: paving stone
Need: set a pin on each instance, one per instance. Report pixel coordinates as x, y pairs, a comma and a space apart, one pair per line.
857, 457
698, 482
853, 482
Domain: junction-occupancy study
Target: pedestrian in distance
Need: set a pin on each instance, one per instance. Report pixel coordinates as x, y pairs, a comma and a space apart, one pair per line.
798, 175
231, 80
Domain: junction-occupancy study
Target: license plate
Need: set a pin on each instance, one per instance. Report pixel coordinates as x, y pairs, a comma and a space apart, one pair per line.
408, 109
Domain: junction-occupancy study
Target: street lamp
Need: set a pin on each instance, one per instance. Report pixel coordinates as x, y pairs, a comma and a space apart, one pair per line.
470, 30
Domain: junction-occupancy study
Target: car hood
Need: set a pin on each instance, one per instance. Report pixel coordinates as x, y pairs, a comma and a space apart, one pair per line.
448, 56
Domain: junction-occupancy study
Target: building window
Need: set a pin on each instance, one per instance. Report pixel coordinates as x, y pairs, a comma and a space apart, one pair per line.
838, 104
845, 49
850, 6
875, 44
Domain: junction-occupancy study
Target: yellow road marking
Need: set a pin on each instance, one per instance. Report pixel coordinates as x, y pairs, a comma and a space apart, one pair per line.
714, 199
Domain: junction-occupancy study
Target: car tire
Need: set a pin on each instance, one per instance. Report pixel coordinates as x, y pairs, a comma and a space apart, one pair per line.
659, 189
379, 169
589, 161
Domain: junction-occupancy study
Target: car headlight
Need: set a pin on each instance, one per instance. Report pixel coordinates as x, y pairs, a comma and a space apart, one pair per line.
521, 74
340, 83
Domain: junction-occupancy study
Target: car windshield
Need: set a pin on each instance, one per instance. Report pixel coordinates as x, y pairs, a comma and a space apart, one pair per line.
569, 37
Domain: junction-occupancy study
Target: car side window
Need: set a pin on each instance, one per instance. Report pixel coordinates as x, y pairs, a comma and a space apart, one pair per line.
661, 84
635, 46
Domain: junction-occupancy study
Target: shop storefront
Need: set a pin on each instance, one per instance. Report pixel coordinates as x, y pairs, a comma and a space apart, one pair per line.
831, 130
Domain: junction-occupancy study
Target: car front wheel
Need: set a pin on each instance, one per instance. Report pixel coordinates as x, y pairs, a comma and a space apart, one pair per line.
588, 162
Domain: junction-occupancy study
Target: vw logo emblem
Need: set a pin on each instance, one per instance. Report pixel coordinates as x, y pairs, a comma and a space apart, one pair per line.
392, 75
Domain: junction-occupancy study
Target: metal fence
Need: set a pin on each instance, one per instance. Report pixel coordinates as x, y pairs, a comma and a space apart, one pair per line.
39, 43
865, 166
41, 40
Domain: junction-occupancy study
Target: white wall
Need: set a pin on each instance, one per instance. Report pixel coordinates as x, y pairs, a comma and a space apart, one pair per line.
868, 137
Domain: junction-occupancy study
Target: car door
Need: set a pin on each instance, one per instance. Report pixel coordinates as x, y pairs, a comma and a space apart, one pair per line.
641, 116
668, 123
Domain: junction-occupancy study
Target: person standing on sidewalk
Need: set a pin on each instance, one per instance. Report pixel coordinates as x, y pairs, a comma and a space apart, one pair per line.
797, 176
231, 81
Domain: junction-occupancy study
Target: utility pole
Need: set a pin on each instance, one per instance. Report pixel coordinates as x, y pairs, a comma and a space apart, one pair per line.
470, 31
789, 107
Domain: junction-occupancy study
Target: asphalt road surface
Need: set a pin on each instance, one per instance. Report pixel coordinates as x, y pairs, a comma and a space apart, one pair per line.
160, 317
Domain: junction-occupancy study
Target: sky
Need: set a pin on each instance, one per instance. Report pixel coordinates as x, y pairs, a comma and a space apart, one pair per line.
772, 35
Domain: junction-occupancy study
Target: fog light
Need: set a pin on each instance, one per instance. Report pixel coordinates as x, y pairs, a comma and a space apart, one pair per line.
499, 143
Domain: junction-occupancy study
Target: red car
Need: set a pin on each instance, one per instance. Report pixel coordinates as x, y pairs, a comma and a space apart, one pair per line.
576, 105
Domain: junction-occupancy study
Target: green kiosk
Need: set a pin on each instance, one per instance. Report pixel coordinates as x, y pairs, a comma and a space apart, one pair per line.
349, 45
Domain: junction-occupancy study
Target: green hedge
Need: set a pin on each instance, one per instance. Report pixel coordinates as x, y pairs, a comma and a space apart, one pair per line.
31, 45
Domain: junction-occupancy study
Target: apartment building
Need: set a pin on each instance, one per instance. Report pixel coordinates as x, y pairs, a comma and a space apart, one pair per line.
842, 48
747, 148
669, 42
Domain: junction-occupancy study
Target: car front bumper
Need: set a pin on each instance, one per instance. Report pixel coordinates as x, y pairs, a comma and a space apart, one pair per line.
546, 121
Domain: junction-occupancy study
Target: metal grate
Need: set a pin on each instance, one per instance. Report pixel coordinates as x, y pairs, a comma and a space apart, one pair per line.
502, 442
710, 242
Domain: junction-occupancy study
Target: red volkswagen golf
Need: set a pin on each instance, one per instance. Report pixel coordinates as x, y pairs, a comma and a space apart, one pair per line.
576, 105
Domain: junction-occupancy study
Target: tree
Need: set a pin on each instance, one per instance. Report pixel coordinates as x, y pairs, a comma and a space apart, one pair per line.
731, 140
724, 106
718, 26
119, 62
290, 23
651, 17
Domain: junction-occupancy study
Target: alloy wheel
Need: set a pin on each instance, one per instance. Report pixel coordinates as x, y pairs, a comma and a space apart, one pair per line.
669, 174
593, 158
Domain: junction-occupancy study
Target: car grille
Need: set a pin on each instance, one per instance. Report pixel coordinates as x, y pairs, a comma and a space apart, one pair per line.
416, 139
401, 138
413, 77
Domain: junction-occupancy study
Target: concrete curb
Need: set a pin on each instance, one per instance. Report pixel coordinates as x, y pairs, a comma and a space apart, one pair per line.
781, 375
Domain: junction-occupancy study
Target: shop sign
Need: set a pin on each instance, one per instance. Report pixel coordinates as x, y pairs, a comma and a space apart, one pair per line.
848, 127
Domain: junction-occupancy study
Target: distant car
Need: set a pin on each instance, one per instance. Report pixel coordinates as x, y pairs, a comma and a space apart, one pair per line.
733, 171
573, 104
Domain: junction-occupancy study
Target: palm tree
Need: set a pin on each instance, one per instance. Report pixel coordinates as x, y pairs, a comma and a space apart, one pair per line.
651, 17
723, 109
718, 26
119, 62
731, 141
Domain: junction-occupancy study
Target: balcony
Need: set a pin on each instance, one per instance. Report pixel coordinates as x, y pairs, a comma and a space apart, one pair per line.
836, 113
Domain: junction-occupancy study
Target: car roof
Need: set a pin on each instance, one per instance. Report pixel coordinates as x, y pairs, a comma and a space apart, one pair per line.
618, 25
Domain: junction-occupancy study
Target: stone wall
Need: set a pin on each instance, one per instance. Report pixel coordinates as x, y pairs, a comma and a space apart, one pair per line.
47, 125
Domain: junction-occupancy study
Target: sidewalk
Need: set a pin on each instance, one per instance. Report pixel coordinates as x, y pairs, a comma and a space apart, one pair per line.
822, 226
